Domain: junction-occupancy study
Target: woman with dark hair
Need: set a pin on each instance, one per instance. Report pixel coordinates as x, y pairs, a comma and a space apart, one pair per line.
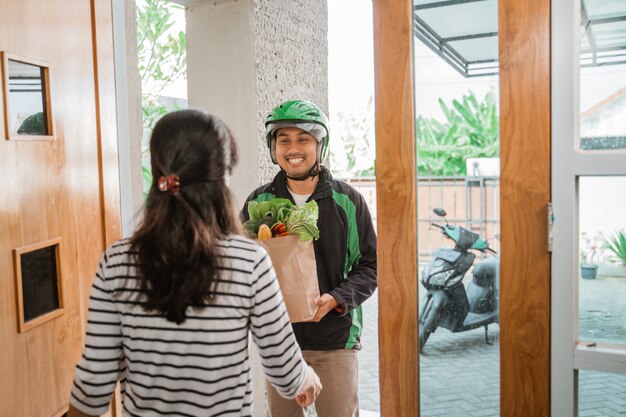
171, 308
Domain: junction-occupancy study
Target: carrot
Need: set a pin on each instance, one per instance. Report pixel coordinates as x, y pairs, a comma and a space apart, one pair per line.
278, 228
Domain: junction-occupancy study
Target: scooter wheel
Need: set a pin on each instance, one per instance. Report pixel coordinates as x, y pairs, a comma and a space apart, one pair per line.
428, 323
423, 336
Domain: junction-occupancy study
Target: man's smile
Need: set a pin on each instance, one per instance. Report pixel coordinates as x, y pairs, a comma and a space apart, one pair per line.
295, 160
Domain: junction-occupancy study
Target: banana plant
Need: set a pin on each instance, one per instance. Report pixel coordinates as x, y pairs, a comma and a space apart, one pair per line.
471, 130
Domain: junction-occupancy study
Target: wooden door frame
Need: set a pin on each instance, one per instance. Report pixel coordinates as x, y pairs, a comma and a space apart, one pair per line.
106, 119
104, 71
524, 38
525, 117
396, 208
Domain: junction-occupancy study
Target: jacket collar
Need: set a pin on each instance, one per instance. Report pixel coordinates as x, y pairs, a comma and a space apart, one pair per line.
323, 188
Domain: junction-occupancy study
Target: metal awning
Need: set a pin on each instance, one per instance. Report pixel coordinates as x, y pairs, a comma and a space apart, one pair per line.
465, 33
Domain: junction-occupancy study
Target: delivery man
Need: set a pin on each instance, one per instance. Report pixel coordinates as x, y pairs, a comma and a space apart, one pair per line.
297, 136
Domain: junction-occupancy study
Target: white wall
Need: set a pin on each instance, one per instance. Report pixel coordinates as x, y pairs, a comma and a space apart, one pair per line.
246, 56
221, 76
129, 123
22, 105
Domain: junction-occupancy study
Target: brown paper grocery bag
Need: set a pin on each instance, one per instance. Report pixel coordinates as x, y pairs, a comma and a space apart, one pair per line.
294, 262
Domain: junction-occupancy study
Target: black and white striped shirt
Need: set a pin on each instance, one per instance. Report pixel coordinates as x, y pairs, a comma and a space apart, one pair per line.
197, 368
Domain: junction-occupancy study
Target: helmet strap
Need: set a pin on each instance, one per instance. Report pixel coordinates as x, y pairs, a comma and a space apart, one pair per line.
313, 172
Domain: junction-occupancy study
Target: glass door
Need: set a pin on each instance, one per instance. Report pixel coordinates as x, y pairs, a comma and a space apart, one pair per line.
589, 195
457, 134
524, 310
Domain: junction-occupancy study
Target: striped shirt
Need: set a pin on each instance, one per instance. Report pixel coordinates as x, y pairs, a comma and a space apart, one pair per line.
197, 368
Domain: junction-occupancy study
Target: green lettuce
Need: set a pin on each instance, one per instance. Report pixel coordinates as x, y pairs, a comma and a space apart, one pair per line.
299, 220
266, 212
302, 221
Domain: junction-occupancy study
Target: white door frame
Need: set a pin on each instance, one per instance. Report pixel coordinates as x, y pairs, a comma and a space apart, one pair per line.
568, 163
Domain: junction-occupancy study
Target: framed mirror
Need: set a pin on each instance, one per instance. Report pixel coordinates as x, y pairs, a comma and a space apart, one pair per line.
26, 94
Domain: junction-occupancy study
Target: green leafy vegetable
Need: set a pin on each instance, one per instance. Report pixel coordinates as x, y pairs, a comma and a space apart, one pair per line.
301, 221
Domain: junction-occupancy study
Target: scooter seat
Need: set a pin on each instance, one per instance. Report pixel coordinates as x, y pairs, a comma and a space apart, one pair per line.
485, 272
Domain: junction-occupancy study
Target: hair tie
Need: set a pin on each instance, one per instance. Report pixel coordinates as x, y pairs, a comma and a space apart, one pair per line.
170, 183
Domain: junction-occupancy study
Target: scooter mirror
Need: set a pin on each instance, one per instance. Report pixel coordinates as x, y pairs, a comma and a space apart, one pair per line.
440, 212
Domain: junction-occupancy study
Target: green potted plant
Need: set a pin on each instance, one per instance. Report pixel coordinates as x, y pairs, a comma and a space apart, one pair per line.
616, 245
589, 253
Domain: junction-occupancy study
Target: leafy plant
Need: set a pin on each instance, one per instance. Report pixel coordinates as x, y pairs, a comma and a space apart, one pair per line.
161, 61
161, 54
352, 143
471, 130
616, 245
591, 248
147, 178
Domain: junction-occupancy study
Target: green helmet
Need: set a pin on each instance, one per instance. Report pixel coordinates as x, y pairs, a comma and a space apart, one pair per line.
302, 114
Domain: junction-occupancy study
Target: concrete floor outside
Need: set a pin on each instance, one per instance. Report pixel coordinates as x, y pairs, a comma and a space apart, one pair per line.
460, 373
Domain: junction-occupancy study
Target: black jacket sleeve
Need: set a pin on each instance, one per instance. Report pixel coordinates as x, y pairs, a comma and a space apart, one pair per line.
361, 281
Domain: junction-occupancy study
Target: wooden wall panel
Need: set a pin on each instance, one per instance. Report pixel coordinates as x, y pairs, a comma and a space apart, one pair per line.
54, 189
396, 223
524, 36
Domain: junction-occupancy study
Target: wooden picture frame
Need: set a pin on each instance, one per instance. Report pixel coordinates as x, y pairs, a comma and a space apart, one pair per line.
5, 57
25, 324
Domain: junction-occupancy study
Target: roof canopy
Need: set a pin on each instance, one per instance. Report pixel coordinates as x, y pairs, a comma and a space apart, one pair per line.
465, 32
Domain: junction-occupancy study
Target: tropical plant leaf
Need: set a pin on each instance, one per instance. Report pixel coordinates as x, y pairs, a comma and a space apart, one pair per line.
616, 245
471, 130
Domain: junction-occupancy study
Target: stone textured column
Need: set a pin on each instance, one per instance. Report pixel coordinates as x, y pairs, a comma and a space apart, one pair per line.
246, 56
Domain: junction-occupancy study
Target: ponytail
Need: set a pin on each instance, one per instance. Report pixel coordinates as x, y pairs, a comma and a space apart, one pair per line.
188, 210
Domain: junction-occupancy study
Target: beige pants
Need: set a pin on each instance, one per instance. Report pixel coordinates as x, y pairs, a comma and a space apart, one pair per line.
338, 372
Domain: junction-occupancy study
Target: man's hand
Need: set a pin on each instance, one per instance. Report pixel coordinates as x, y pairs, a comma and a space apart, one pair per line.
325, 303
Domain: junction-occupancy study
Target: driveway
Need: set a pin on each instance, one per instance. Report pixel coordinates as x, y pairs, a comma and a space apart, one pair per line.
460, 373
